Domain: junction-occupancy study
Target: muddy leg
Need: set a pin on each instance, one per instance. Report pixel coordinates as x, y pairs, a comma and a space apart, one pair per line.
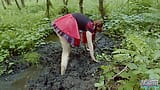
65, 54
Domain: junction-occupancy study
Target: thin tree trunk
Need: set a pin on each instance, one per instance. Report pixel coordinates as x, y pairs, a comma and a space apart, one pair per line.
22, 2
47, 10
8, 2
37, 1
81, 6
101, 9
65, 2
18, 5
3, 4
64, 10
48, 4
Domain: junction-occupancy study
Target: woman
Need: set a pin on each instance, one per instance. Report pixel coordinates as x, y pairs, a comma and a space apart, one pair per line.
68, 28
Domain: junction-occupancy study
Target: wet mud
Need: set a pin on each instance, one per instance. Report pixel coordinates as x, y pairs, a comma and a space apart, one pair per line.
81, 73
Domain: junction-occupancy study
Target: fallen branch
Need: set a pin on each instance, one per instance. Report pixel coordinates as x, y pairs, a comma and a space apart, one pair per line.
125, 68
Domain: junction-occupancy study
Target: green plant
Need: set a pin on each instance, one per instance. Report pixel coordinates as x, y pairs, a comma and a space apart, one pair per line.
32, 57
103, 57
138, 57
100, 84
2, 69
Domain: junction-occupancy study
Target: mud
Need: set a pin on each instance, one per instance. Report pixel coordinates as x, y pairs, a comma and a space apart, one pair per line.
81, 73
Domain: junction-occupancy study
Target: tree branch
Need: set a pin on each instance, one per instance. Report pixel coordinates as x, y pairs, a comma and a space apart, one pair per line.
125, 68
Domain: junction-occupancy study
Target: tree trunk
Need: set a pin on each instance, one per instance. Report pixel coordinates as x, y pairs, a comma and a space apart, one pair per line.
18, 5
8, 2
37, 1
101, 9
22, 2
64, 10
48, 5
65, 2
81, 6
47, 10
3, 4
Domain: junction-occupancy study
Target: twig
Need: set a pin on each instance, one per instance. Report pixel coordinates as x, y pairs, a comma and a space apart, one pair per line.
98, 39
125, 68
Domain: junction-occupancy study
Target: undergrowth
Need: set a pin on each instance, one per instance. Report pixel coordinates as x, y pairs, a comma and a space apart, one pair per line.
138, 58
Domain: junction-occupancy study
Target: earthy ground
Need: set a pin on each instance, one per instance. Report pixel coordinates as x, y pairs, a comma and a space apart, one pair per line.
81, 73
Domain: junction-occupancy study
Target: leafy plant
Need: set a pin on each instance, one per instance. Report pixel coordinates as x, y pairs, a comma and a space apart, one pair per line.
32, 57
101, 84
103, 57
138, 24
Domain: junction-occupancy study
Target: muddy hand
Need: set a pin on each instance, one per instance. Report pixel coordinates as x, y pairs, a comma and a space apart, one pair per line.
93, 59
96, 61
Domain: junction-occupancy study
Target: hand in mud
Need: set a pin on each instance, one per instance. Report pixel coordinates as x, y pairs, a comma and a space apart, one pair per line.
96, 61
93, 59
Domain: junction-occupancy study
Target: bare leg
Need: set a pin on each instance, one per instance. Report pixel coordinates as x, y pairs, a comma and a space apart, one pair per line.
65, 54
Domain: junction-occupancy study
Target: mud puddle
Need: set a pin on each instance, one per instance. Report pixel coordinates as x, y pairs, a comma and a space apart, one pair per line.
19, 81
81, 73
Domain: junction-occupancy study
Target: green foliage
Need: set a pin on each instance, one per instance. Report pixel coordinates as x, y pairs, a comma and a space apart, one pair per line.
100, 84
19, 40
22, 31
3, 54
103, 57
32, 57
2, 70
138, 25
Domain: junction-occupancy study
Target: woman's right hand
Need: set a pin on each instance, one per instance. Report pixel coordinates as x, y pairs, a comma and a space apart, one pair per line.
90, 45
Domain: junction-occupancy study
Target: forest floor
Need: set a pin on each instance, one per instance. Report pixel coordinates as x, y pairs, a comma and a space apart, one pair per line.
81, 73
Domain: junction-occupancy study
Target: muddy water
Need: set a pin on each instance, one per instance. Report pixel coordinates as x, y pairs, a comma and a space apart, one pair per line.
19, 81
81, 73
51, 38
